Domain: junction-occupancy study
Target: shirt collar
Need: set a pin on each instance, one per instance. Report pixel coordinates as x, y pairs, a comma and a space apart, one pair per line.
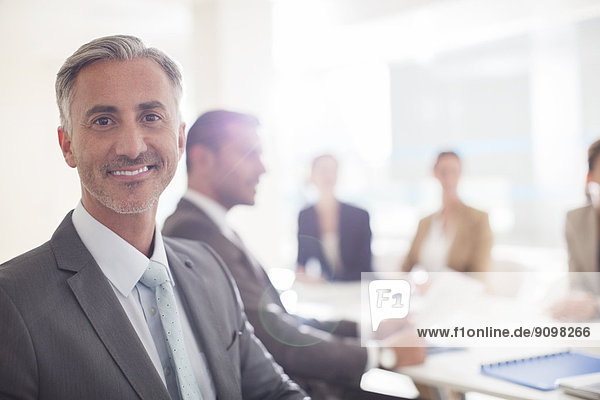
119, 261
215, 211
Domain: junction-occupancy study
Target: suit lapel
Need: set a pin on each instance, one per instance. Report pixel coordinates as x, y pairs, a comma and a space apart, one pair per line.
256, 270
222, 242
103, 310
207, 326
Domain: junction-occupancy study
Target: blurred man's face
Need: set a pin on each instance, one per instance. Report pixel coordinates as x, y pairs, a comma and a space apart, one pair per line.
237, 166
126, 138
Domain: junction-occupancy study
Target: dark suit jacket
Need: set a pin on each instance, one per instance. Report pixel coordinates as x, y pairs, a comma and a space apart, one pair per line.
64, 334
354, 237
303, 351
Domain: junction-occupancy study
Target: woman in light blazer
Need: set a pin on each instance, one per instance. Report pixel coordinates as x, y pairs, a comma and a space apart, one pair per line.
582, 224
457, 237
583, 244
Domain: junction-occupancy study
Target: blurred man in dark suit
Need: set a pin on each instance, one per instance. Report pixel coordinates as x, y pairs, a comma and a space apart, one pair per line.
224, 165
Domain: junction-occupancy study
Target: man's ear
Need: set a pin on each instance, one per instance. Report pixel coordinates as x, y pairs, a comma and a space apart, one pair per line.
588, 178
200, 157
181, 139
64, 140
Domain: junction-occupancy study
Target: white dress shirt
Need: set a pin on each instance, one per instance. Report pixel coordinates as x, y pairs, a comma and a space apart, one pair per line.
433, 256
124, 265
330, 241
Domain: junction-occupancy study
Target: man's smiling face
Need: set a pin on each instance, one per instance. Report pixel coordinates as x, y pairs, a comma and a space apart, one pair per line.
126, 137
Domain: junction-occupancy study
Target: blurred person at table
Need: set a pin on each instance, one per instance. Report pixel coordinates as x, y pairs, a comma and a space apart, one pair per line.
331, 233
224, 167
457, 237
583, 242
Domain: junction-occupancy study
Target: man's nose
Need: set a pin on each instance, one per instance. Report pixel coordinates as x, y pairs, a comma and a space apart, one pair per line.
131, 141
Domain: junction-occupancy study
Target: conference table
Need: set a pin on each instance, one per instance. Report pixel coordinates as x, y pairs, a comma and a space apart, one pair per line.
459, 371
453, 370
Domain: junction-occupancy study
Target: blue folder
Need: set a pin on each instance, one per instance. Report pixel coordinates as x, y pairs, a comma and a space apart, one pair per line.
541, 372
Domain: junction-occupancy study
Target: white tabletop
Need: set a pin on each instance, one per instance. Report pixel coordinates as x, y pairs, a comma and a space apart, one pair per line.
457, 370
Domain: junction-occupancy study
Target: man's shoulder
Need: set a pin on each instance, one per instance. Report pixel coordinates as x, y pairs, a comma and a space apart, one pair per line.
188, 247
184, 210
30, 279
188, 221
196, 252
27, 262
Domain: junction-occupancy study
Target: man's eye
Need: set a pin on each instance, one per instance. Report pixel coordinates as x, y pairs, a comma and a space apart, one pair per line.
151, 118
103, 121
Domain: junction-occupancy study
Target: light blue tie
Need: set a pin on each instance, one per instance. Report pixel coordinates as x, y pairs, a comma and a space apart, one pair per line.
157, 278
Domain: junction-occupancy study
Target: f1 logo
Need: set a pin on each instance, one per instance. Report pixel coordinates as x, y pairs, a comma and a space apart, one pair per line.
388, 299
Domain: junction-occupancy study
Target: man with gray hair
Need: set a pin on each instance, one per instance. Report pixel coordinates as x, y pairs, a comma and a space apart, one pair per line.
108, 308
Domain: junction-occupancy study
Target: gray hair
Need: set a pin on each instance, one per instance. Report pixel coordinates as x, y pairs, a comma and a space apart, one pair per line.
117, 48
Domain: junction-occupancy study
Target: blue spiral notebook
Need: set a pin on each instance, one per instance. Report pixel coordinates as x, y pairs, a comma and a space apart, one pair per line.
541, 372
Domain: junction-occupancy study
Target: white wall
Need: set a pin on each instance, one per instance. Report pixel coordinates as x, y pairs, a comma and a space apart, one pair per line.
38, 188
506, 83
223, 47
318, 73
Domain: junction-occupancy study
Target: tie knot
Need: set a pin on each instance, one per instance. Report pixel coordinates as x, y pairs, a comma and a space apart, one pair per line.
156, 274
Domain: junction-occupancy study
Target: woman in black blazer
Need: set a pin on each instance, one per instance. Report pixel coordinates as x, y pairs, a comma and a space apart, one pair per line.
337, 235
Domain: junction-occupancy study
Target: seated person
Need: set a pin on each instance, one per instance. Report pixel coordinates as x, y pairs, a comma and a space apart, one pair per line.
456, 237
583, 241
335, 234
108, 308
224, 166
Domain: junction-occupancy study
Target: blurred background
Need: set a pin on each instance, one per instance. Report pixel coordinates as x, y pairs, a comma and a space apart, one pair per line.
511, 85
